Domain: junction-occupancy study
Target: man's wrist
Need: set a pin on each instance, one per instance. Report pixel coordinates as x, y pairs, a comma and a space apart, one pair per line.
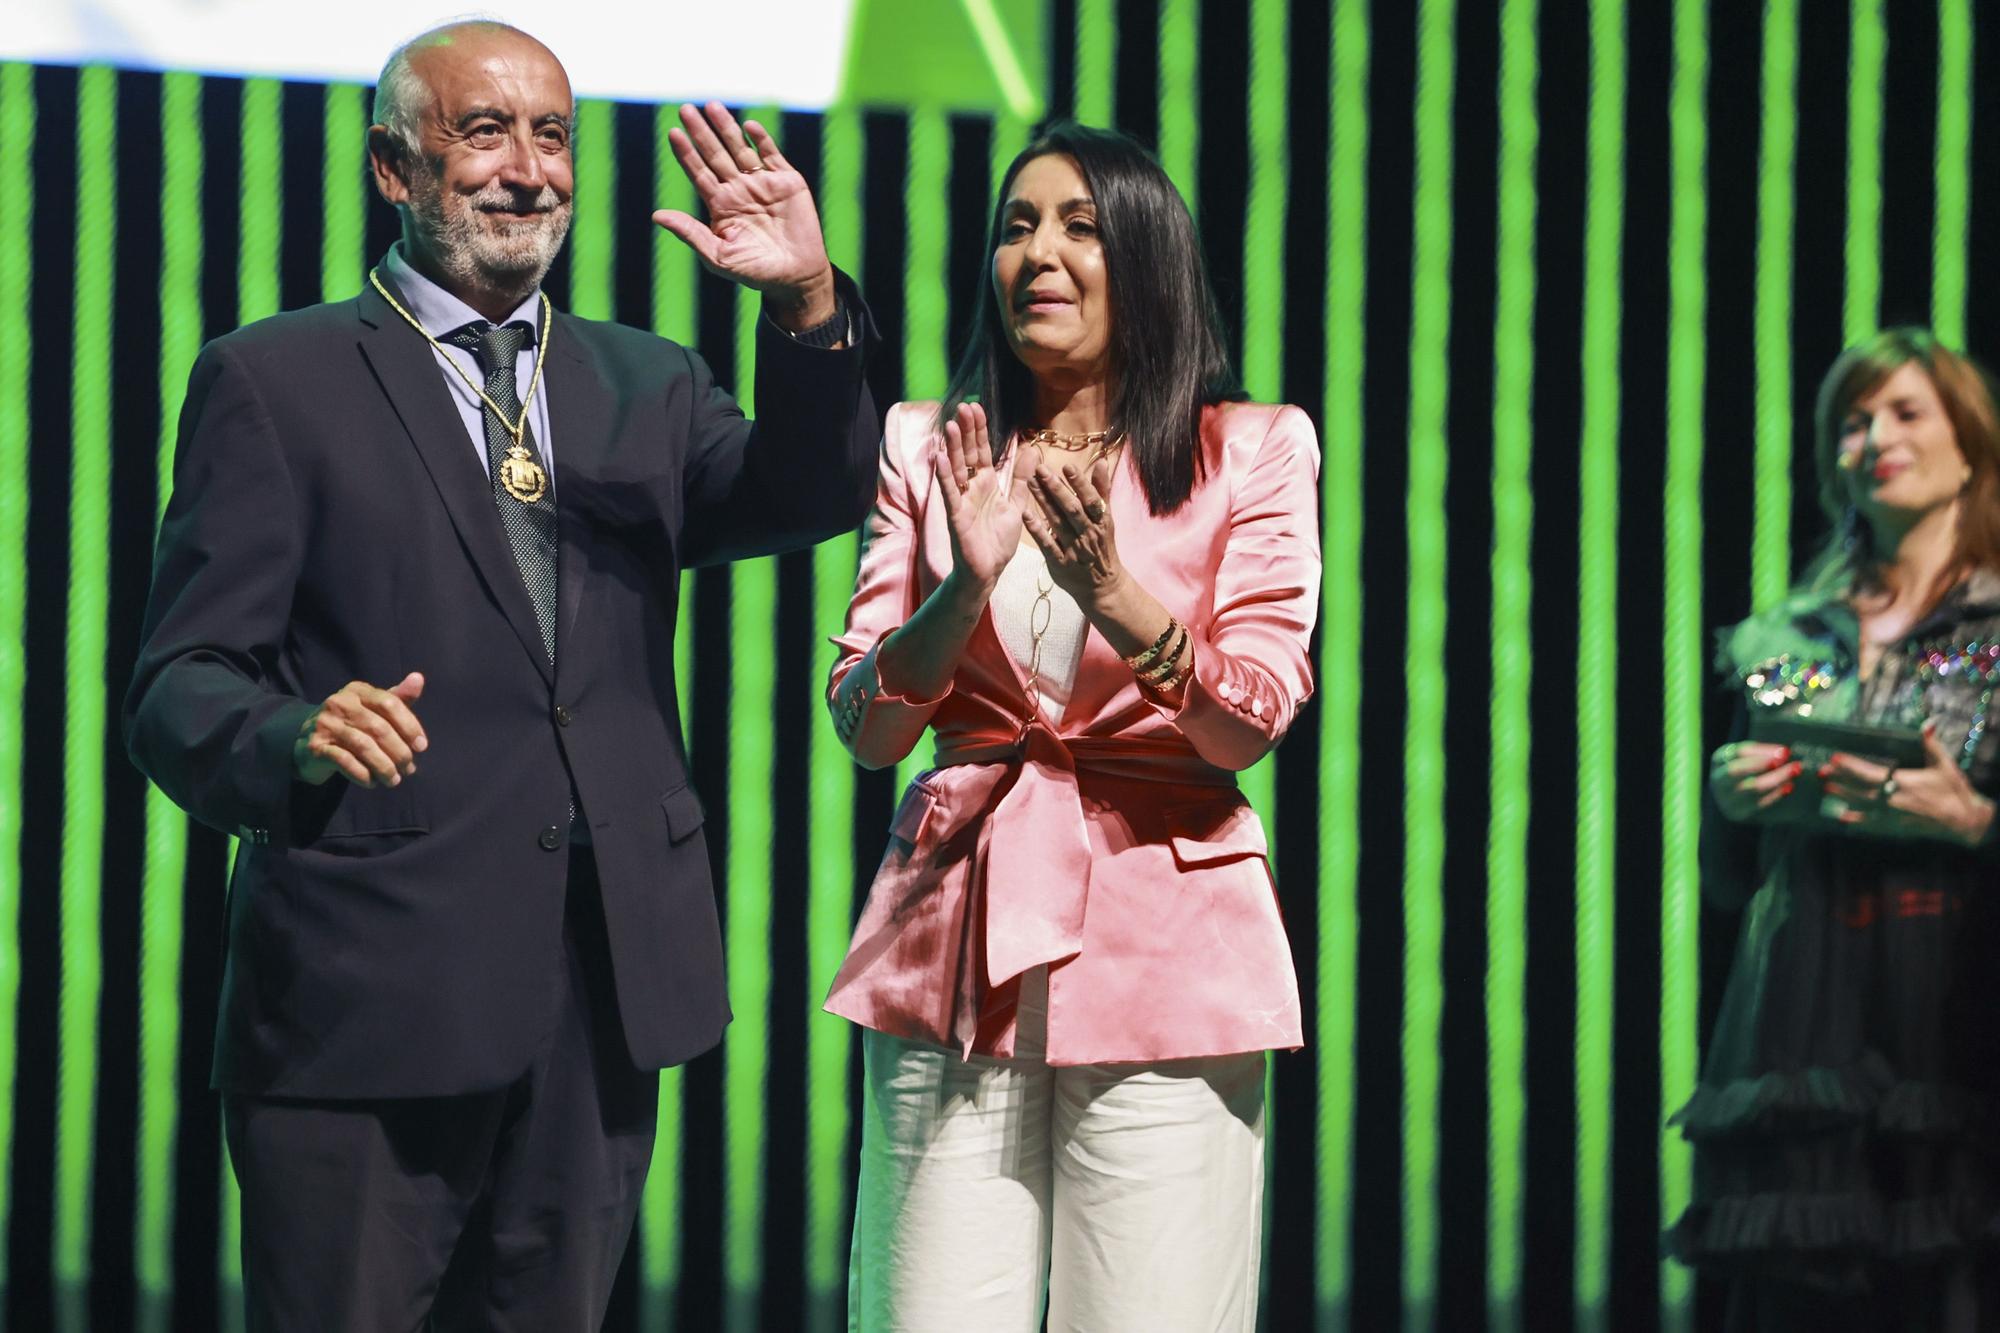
797, 309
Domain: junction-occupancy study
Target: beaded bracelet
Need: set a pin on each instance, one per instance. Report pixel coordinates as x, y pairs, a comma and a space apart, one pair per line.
1165, 668
1139, 661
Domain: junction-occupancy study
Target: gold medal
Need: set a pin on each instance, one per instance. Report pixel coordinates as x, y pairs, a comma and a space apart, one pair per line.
522, 476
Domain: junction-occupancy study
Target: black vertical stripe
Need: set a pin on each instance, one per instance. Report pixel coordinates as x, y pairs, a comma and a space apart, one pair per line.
302, 179
1909, 163
1642, 451
1548, 1249
1378, 1104
1136, 77
1463, 1154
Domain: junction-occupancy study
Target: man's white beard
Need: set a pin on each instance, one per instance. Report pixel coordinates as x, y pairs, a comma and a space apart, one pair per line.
480, 251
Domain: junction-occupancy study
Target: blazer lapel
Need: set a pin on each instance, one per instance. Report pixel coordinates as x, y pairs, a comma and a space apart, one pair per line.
580, 414
408, 373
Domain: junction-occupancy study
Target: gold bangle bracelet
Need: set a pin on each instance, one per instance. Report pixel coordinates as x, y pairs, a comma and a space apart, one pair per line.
1140, 660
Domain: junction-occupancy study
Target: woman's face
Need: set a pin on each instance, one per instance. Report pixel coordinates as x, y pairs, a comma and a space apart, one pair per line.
1048, 271
1898, 449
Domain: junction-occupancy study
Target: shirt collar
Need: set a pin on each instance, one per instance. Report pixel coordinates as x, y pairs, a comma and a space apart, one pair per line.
441, 312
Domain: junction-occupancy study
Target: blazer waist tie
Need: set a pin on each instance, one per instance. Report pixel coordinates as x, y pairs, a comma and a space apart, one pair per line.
1030, 873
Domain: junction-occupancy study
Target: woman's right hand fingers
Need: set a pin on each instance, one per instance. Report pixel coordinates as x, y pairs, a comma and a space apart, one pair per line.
1750, 776
954, 456
972, 424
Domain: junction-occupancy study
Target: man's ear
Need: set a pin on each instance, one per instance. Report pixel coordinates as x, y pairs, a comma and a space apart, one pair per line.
386, 162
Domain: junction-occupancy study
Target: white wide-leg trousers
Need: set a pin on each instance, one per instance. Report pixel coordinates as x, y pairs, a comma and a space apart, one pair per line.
1129, 1196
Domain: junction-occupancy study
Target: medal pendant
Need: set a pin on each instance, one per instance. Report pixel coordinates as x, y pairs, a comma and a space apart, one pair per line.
522, 476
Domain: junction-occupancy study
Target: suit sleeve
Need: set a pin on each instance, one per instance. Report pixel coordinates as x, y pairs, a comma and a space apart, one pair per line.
877, 727
1252, 671
801, 471
203, 717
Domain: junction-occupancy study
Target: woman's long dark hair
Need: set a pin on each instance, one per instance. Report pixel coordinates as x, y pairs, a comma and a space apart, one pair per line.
1167, 357
1848, 559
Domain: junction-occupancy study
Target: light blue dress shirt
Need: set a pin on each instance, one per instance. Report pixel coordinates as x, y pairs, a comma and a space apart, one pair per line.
440, 312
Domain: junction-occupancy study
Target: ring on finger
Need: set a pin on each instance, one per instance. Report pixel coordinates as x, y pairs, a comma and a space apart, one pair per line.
1096, 510
1888, 787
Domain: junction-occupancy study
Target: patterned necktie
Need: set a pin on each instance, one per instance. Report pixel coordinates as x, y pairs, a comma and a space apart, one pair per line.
531, 528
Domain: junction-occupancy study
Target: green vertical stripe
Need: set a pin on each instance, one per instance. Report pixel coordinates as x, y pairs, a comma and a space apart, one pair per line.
1424, 655
926, 310
593, 240
830, 833
181, 166
1681, 656
753, 614
675, 270
1180, 95
85, 683
753, 697
1096, 60
260, 199
1953, 172
1509, 776
17, 182
1341, 524
1596, 640
343, 258
1868, 58
1771, 534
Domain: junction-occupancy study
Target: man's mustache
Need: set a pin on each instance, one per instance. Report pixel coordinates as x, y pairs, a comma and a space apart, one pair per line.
491, 200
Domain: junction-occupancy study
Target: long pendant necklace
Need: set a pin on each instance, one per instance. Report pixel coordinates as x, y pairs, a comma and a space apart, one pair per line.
1039, 617
521, 475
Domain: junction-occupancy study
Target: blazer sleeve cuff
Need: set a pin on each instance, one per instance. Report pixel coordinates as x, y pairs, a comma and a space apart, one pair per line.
876, 724
1230, 710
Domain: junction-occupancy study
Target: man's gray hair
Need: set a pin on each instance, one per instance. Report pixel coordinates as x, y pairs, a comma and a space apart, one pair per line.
400, 93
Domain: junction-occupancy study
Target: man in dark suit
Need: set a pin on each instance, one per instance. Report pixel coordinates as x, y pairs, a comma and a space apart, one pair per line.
411, 638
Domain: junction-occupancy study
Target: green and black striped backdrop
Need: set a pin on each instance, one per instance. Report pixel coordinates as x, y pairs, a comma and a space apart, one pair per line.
1556, 278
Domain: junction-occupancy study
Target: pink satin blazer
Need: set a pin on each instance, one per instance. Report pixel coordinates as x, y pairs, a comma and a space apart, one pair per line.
1115, 848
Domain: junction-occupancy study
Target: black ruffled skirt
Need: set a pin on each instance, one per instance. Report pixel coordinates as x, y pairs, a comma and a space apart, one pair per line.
1846, 1130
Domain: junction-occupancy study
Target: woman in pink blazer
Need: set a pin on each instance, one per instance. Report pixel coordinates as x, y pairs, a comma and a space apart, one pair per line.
1096, 586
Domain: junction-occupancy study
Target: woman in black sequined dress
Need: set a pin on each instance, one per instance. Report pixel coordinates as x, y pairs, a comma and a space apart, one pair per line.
1844, 1129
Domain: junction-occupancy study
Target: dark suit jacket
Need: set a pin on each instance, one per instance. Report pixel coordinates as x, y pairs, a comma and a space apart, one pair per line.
330, 522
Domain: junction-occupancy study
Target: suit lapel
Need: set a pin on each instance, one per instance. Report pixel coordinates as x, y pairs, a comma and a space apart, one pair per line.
580, 408
408, 373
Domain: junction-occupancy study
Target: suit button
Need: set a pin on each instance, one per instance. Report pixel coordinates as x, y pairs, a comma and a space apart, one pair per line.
551, 838
562, 716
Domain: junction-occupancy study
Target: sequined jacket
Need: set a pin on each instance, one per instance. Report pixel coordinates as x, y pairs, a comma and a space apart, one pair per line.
1803, 657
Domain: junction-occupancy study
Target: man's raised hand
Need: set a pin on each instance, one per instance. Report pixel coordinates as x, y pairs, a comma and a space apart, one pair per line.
762, 229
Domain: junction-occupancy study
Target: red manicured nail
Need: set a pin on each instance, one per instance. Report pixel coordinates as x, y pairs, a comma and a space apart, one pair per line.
1785, 790
1775, 764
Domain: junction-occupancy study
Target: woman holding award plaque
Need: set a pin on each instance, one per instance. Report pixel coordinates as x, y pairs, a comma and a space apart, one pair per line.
1096, 586
1847, 1125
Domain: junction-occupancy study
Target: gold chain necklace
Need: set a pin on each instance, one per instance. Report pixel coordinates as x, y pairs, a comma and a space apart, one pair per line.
1097, 443
520, 474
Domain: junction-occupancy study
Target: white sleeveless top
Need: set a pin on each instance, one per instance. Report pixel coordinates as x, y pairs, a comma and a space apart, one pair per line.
1013, 605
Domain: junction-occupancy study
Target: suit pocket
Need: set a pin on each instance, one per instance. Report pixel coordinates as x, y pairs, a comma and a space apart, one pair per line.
366, 818
913, 815
684, 813
1199, 838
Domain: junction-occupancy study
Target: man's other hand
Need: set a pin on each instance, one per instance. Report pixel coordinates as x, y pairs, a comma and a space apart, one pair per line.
368, 735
